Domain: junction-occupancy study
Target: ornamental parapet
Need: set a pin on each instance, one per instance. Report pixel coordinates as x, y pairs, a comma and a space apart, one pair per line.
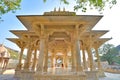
59, 13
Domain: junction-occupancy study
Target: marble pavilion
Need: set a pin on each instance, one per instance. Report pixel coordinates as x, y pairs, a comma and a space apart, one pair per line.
59, 46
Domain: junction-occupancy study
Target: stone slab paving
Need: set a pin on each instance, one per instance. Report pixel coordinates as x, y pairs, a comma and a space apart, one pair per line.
8, 75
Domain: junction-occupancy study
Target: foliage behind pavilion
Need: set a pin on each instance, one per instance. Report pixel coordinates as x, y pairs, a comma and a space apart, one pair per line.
59, 36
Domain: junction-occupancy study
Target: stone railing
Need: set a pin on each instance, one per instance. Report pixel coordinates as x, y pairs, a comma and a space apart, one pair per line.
111, 70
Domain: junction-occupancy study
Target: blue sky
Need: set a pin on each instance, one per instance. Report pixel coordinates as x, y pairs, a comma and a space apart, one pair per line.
110, 21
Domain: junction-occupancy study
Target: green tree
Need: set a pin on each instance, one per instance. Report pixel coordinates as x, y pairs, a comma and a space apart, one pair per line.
110, 55
9, 5
104, 48
93, 4
117, 59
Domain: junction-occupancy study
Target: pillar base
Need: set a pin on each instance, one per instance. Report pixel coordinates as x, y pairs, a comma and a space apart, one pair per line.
92, 75
17, 74
27, 75
101, 73
1, 71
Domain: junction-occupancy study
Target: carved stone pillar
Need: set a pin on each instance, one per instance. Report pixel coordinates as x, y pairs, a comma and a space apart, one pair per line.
100, 70
41, 51
46, 56
19, 66
98, 58
89, 46
84, 59
21, 44
92, 74
35, 59
26, 73
29, 55
90, 57
78, 57
73, 59
41, 56
77, 49
73, 52
65, 59
52, 60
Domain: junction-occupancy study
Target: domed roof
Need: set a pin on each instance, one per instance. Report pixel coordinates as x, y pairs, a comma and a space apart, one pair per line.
3, 51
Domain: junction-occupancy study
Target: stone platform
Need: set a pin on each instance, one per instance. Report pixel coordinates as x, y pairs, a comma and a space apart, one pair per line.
60, 77
9, 75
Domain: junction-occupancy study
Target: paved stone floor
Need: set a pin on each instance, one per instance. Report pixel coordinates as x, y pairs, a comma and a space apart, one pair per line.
111, 76
8, 75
